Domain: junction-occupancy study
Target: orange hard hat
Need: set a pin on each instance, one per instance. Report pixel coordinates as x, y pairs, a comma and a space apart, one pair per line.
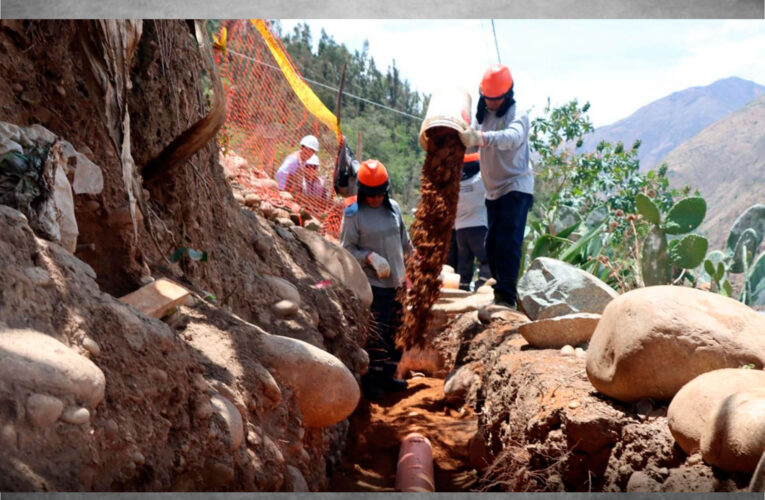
496, 81
470, 158
372, 173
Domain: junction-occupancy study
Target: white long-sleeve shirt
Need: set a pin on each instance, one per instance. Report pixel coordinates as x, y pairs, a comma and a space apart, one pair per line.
289, 167
504, 160
471, 207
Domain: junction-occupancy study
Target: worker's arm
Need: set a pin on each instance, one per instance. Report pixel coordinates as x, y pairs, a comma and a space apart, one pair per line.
512, 137
349, 238
287, 169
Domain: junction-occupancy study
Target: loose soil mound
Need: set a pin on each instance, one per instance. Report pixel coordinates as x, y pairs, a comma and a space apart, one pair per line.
544, 427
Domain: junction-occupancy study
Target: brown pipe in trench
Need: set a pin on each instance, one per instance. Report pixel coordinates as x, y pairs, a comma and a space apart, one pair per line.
415, 465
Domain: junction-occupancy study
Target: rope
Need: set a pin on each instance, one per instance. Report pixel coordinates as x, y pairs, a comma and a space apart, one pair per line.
496, 45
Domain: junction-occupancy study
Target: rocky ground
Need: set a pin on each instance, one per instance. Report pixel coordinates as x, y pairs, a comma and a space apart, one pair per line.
121, 401
505, 415
228, 392
164, 418
542, 426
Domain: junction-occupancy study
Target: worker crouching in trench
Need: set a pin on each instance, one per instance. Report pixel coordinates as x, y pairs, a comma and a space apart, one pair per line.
373, 231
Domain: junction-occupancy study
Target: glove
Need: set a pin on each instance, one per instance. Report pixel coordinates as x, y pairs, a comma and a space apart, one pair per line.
379, 264
472, 137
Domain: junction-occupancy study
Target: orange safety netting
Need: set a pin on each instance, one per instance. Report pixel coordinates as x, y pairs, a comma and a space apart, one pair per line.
270, 108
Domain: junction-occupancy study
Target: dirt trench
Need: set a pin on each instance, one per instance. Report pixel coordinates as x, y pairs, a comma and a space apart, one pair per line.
377, 429
47, 78
542, 426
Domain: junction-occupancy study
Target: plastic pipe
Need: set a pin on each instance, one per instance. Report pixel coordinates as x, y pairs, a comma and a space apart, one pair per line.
450, 280
415, 465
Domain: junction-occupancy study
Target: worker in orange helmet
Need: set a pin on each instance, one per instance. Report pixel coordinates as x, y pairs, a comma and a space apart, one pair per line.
502, 136
373, 231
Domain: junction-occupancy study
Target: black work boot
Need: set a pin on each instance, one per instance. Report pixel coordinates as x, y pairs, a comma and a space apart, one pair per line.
371, 383
389, 382
502, 300
394, 384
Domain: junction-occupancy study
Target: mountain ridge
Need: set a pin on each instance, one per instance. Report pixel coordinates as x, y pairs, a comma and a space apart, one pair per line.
726, 163
664, 124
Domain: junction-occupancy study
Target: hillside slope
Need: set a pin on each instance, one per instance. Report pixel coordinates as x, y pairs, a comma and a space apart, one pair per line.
664, 124
726, 163
152, 425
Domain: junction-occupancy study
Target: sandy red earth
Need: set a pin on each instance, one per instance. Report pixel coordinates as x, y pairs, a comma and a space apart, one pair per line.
378, 428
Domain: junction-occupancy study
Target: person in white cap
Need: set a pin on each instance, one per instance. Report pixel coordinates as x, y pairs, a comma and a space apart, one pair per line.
314, 186
289, 176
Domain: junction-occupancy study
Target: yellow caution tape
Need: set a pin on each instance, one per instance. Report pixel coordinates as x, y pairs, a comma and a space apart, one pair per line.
219, 42
301, 89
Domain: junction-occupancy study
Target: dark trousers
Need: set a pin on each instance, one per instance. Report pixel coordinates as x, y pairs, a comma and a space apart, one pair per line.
386, 311
507, 222
453, 259
471, 246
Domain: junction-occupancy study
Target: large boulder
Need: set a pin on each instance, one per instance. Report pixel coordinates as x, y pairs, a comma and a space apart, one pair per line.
554, 333
551, 288
652, 341
734, 437
338, 262
326, 391
33, 361
283, 289
689, 411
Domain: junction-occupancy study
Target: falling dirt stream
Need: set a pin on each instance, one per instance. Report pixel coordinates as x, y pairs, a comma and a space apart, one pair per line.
431, 231
378, 428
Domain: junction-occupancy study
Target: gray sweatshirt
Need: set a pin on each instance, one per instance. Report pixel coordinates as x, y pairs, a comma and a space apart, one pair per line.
365, 229
505, 163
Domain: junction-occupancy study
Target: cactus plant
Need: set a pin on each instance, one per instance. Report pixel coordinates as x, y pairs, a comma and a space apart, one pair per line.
689, 251
659, 254
744, 239
716, 273
745, 247
656, 266
753, 217
754, 287
685, 215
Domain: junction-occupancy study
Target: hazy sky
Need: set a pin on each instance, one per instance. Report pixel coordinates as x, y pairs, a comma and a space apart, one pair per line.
616, 65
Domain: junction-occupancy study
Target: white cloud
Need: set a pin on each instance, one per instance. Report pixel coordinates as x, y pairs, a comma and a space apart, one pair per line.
616, 65
740, 54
